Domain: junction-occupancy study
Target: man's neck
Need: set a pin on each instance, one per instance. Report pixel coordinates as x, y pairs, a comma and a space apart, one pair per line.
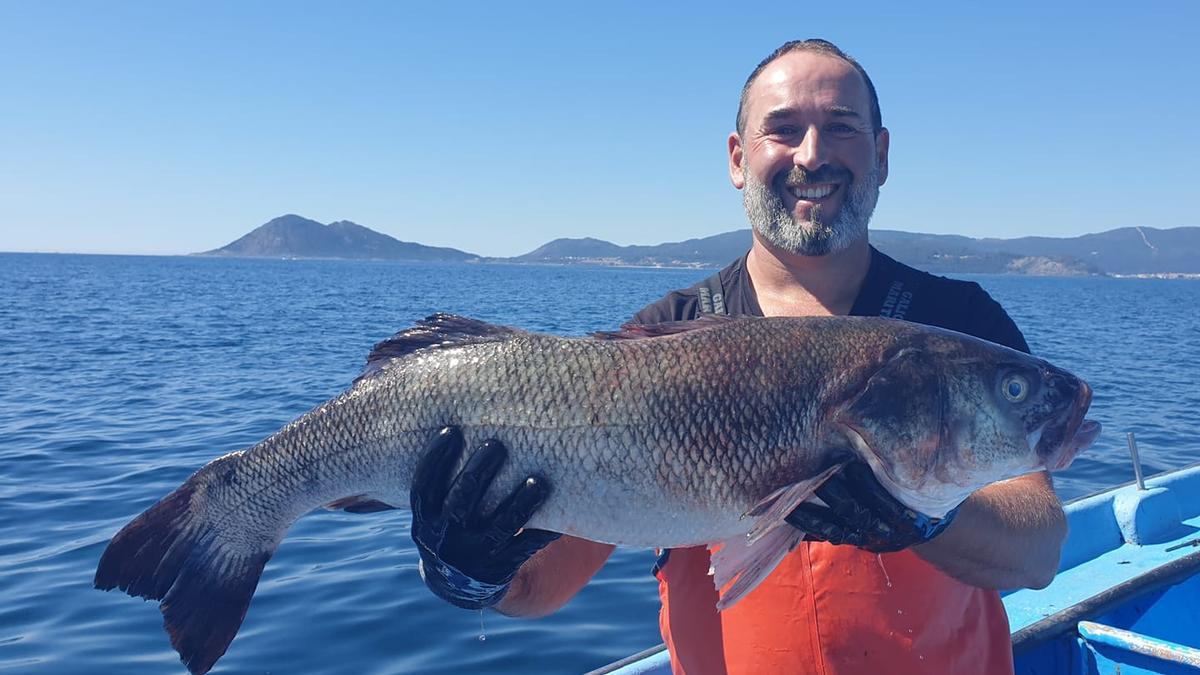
788, 284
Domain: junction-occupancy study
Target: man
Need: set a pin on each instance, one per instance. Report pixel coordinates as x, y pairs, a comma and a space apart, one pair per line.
809, 154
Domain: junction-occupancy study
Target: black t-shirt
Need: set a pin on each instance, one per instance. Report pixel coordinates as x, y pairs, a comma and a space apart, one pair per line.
891, 289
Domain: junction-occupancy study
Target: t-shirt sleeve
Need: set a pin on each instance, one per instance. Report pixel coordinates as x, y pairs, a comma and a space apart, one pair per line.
989, 321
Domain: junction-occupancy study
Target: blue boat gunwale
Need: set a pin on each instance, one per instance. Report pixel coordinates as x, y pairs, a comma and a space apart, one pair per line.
1120, 486
629, 660
1064, 622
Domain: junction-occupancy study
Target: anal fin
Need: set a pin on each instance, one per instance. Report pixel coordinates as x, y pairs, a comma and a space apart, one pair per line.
744, 561
746, 565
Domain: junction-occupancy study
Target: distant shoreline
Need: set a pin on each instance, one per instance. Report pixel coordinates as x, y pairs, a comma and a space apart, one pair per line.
1130, 250
1157, 275
593, 264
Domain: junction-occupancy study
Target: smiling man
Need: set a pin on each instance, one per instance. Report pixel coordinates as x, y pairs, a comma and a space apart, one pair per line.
877, 588
808, 192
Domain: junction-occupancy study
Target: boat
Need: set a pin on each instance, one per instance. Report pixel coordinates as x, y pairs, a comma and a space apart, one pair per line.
1126, 598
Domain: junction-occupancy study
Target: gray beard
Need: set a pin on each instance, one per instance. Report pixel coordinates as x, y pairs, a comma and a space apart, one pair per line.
815, 237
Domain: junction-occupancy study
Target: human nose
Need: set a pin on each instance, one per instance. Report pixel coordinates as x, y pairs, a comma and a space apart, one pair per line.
809, 154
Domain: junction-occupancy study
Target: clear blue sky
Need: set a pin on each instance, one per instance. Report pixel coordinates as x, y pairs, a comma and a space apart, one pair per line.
152, 127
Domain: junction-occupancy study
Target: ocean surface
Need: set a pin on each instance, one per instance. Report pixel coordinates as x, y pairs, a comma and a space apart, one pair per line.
119, 376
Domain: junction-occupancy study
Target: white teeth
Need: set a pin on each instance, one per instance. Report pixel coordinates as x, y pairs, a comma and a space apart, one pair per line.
813, 193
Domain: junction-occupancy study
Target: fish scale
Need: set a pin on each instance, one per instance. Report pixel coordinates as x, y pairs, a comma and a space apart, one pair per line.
660, 436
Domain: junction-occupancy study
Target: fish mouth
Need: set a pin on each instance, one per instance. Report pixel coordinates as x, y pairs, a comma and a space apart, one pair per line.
1064, 437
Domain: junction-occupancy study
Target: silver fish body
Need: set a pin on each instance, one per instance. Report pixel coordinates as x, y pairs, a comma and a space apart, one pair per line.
682, 434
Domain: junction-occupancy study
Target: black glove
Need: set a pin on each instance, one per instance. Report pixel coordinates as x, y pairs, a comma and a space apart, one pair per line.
468, 559
862, 513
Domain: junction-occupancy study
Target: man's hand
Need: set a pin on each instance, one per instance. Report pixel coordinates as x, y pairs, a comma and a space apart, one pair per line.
467, 558
860, 512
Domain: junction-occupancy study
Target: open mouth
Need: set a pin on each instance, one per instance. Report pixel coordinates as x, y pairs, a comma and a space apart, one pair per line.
812, 193
1061, 439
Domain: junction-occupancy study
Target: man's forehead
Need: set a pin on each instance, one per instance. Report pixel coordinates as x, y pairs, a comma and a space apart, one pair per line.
807, 79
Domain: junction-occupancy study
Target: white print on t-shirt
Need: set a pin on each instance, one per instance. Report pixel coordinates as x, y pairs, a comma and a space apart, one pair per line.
897, 302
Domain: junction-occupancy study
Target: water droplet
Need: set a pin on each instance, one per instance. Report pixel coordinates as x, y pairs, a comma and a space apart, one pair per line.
482, 635
887, 578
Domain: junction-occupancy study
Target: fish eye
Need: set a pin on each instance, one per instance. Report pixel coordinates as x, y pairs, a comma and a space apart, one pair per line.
1015, 388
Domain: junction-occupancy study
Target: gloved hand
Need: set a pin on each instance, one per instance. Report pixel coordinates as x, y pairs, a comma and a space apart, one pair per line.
467, 558
862, 513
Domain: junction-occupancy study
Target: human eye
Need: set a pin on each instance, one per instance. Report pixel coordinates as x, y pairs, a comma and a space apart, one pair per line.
841, 129
783, 130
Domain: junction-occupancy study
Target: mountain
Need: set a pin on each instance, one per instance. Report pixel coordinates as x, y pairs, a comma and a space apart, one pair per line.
293, 236
1124, 251
706, 252
1128, 250
1131, 250
949, 254
561, 250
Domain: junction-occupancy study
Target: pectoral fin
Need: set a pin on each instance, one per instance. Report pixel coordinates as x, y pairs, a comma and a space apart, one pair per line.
746, 560
358, 504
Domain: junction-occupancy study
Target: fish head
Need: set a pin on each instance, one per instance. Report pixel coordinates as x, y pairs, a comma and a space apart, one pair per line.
945, 414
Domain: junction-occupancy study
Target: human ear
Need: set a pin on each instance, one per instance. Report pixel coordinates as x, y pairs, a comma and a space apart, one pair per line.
736, 170
882, 141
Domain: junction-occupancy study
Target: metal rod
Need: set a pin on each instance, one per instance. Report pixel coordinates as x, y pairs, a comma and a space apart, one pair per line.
1137, 463
1191, 542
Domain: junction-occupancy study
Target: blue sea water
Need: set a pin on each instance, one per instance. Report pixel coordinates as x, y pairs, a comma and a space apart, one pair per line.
119, 376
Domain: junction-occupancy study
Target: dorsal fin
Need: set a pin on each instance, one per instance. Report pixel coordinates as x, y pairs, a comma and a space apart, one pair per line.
637, 331
437, 331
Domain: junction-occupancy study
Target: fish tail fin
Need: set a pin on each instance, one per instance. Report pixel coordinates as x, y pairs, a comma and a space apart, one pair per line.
175, 552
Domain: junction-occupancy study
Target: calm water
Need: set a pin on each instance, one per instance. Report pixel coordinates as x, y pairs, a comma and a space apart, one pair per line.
119, 376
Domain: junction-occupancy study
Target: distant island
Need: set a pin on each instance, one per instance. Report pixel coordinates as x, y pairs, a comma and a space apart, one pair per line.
1127, 251
292, 236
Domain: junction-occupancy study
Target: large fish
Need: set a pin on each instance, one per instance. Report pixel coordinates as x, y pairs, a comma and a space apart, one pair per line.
684, 434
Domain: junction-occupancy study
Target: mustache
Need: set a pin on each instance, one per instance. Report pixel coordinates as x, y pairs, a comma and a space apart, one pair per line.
798, 175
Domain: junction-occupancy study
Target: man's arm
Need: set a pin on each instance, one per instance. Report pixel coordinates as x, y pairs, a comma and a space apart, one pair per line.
1006, 535
553, 576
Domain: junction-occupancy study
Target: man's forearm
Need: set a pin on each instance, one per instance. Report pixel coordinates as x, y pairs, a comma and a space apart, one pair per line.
553, 576
1007, 535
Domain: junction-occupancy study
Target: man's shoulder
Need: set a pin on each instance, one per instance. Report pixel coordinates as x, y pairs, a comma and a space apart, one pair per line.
678, 305
687, 303
927, 281
905, 292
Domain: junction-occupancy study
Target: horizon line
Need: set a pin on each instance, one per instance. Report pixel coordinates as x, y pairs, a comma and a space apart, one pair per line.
495, 257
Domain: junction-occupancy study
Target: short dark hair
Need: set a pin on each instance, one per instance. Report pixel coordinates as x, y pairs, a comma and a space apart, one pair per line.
817, 46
